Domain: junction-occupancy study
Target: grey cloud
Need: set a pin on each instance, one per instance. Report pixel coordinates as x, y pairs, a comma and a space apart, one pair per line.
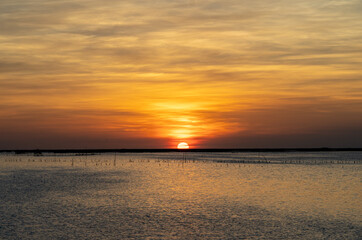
28, 18
341, 137
50, 49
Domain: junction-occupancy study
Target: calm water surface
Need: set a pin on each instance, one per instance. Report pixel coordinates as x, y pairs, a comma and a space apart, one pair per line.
182, 196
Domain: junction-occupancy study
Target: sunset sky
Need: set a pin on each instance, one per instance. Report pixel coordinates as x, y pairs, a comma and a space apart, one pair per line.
151, 74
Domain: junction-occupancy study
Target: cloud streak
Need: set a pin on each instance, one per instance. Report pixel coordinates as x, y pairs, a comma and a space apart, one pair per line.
179, 70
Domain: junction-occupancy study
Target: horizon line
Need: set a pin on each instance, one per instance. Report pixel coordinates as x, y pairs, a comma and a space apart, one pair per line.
135, 150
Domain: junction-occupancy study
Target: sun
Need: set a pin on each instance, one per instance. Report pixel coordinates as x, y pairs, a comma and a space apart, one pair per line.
183, 145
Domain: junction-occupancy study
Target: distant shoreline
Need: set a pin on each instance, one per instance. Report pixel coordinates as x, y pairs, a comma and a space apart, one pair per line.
23, 151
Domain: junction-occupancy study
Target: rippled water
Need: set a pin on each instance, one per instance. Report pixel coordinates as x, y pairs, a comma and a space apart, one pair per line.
182, 196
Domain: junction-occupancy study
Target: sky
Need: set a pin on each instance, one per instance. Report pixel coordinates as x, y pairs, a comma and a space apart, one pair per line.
151, 74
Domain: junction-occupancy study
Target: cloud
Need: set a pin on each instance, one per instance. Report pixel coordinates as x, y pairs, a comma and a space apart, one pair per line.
162, 68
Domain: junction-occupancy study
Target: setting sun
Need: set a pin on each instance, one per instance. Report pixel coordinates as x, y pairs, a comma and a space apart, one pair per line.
217, 74
183, 145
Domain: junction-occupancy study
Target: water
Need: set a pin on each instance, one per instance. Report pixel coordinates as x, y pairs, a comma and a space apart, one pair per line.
182, 196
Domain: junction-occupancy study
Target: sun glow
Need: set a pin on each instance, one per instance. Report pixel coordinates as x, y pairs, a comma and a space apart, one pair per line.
183, 145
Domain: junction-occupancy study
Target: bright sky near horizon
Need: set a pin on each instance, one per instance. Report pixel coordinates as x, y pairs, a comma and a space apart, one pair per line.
151, 74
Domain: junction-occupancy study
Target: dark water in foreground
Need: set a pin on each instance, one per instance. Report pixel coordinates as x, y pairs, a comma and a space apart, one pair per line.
177, 196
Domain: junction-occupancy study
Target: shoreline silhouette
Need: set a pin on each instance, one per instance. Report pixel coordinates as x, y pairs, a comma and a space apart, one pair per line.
38, 151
